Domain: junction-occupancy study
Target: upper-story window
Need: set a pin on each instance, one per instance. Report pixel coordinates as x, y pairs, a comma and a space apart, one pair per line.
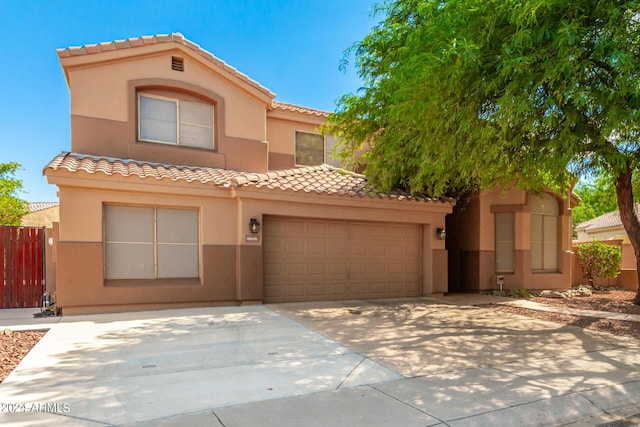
313, 149
175, 121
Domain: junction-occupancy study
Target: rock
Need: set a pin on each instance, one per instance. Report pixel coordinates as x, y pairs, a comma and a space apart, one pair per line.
583, 291
551, 294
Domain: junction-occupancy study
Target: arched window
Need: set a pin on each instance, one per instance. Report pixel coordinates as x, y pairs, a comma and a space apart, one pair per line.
544, 233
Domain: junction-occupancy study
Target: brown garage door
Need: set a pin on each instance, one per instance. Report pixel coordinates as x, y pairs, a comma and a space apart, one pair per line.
316, 260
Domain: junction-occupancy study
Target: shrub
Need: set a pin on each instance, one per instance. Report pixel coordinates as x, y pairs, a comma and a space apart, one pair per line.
521, 293
599, 260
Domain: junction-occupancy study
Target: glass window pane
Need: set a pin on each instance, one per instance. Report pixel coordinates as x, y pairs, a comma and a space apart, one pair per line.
505, 241
177, 261
158, 119
550, 229
331, 143
544, 204
177, 226
309, 149
536, 228
196, 136
550, 261
128, 261
128, 224
505, 257
196, 113
536, 256
504, 227
155, 130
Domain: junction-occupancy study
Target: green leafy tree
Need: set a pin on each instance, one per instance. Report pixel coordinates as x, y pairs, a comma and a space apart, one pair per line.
12, 208
459, 93
599, 260
598, 197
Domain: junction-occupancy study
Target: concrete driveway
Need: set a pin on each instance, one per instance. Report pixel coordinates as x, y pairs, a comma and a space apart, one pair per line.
386, 362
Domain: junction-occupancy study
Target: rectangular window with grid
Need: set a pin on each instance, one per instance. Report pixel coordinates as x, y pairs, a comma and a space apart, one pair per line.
150, 243
175, 121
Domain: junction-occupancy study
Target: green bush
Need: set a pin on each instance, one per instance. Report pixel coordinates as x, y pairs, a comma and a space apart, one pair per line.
599, 260
521, 293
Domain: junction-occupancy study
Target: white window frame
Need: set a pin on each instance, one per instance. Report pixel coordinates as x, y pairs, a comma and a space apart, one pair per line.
155, 243
327, 159
178, 122
540, 240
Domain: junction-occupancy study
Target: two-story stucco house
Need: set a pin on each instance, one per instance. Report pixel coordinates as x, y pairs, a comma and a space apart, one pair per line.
188, 184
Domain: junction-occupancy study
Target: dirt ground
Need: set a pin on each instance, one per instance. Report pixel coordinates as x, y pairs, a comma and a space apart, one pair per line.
15, 345
617, 301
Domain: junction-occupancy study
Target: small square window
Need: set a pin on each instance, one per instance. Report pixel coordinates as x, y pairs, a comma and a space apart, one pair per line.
310, 149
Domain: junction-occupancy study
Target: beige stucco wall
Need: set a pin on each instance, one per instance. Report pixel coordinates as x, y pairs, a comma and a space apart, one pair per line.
472, 246
602, 234
281, 133
43, 218
101, 92
249, 135
230, 264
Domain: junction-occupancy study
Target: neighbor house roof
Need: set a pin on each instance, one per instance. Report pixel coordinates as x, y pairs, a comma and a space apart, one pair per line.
608, 220
298, 109
322, 179
40, 206
90, 49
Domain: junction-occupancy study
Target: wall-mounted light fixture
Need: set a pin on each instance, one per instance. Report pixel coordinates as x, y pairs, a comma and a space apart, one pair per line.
441, 234
254, 225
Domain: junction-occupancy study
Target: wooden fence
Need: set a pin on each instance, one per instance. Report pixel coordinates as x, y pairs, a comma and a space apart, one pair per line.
22, 255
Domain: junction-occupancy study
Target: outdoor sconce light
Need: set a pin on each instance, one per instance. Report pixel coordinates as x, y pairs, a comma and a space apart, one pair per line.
440, 233
254, 225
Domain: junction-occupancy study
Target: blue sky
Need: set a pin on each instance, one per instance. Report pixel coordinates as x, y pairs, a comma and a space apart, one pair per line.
293, 47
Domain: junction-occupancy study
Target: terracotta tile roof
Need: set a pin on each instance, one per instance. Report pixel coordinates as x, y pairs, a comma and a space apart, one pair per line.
75, 162
298, 109
89, 49
322, 179
40, 206
608, 220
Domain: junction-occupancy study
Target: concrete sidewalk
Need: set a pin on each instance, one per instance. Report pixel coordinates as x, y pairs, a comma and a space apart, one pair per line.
22, 319
407, 362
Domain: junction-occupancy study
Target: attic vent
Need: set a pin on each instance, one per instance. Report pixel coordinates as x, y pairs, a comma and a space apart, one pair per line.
177, 64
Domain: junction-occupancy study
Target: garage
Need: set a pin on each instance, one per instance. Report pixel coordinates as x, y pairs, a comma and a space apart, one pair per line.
318, 260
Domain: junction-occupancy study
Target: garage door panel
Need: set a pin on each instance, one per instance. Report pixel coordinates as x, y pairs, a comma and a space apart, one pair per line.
378, 269
317, 229
314, 260
339, 247
294, 227
317, 269
358, 247
317, 290
317, 247
376, 250
294, 269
